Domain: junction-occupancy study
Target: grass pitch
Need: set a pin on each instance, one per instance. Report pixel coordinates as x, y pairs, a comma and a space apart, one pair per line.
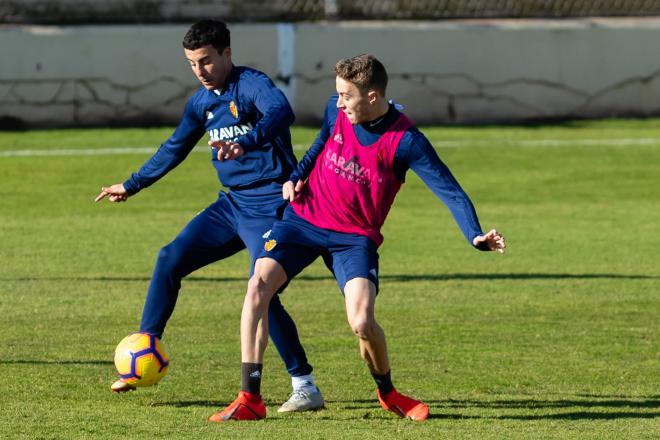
558, 338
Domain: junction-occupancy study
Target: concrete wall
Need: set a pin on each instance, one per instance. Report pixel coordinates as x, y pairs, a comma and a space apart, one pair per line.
443, 72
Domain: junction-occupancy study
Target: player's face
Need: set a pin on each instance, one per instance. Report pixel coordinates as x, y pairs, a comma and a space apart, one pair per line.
210, 67
357, 104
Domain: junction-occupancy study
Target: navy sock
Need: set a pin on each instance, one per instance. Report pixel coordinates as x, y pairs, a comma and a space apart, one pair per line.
283, 333
384, 382
251, 377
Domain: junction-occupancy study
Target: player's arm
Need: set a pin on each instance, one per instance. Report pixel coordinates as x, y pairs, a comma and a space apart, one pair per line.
277, 114
296, 181
170, 154
416, 152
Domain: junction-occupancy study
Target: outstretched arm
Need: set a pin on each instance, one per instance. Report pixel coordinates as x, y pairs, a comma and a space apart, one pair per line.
170, 154
416, 152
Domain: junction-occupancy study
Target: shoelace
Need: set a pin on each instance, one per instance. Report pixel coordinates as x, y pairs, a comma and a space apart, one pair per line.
299, 395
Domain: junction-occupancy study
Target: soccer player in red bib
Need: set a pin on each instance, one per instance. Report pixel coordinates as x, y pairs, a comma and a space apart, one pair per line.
341, 193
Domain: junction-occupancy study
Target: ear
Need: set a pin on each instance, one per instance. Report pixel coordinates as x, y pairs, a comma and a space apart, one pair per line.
372, 96
227, 52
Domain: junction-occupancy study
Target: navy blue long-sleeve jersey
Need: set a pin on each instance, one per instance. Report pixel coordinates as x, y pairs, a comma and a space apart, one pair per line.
249, 110
414, 152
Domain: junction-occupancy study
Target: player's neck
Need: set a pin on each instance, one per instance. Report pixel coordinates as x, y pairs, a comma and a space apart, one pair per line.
225, 80
379, 114
381, 107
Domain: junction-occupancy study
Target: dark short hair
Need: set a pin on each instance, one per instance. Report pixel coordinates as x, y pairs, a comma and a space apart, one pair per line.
365, 71
205, 33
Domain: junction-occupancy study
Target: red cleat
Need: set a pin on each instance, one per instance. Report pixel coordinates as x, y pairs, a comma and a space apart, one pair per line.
404, 406
246, 407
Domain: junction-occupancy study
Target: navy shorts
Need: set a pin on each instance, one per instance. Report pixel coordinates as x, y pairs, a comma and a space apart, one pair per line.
236, 221
295, 243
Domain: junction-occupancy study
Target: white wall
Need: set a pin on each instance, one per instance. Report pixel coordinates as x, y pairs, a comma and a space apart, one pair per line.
443, 72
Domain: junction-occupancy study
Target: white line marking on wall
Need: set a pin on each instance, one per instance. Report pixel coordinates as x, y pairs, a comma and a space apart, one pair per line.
285, 61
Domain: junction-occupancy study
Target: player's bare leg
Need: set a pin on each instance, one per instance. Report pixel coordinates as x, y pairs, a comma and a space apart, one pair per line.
268, 277
360, 297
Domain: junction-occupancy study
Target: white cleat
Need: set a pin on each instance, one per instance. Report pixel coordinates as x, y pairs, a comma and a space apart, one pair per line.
121, 387
303, 401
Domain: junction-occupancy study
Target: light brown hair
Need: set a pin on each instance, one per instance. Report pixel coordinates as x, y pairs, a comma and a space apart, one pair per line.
365, 71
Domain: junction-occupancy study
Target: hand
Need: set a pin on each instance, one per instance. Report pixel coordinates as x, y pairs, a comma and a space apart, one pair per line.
493, 239
115, 193
227, 150
289, 192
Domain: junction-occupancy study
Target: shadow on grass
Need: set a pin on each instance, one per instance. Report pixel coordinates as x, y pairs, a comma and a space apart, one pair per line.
440, 409
638, 402
579, 415
55, 362
190, 403
215, 404
582, 415
610, 408
391, 277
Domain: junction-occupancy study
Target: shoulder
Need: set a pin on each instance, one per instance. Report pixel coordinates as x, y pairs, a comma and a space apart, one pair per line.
251, 85
249, 75
414, 136
414, 144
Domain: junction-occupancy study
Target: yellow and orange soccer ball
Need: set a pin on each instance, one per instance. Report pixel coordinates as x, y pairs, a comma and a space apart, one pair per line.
141, 359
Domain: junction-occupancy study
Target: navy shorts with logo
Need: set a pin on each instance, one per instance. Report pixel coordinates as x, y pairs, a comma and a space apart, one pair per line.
295, 243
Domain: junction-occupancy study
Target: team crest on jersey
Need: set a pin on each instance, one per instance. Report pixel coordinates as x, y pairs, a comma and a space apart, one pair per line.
270, 244
233, 109
339, 138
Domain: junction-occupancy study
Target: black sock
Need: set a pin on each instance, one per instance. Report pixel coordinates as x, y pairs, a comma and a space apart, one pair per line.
251, 377
384, 382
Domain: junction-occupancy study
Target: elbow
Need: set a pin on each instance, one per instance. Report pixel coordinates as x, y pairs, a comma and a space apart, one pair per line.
287, 115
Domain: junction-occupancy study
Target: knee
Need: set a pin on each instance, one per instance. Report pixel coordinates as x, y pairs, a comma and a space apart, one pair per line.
363, 326
259, 293
169, 255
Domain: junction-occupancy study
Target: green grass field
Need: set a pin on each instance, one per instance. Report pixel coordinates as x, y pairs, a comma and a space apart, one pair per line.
558, 338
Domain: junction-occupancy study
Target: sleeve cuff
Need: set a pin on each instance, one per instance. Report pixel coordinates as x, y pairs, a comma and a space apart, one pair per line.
130, 186
483, 246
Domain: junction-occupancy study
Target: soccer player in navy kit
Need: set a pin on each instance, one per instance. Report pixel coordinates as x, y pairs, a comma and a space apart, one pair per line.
341, 193
247, 119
